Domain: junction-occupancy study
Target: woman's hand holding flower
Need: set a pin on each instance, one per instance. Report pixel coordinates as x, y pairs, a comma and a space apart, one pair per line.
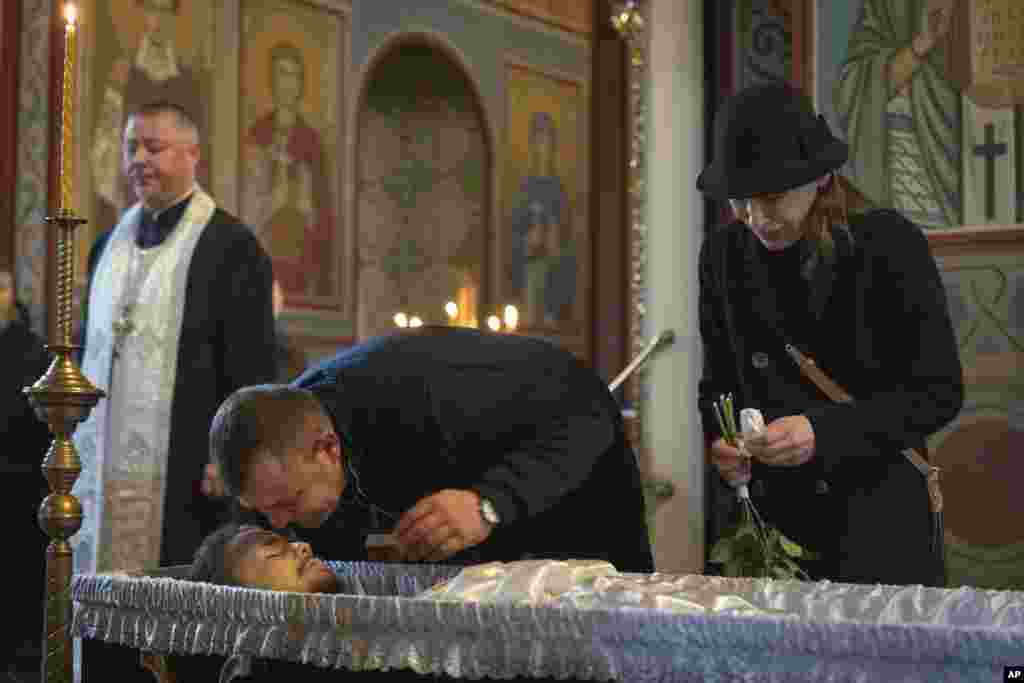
785, 442
732, 464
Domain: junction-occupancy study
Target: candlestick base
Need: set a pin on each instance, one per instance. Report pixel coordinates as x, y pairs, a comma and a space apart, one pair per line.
62, 398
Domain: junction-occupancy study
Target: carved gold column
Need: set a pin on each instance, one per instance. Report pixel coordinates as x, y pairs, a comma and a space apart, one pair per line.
629, 18
63, 397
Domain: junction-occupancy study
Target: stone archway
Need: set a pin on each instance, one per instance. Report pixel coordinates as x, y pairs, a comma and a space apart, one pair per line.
422, 193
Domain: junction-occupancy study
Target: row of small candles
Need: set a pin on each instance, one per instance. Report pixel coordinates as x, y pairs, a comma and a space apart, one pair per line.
507, 323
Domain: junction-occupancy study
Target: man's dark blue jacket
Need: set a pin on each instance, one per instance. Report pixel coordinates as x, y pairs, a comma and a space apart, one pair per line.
517, 419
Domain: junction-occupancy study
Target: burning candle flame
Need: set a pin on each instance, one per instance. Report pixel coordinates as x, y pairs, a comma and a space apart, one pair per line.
66, 105
511, 317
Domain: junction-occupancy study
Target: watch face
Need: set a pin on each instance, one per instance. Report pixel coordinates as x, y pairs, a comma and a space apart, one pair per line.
488, 512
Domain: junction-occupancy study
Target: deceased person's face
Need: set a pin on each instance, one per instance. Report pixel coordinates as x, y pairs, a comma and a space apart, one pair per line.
263, 559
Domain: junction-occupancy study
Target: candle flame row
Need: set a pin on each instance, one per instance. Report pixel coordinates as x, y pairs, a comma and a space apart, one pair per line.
403, 320
509, 322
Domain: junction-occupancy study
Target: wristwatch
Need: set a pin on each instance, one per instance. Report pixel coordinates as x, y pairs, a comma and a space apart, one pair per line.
488, 512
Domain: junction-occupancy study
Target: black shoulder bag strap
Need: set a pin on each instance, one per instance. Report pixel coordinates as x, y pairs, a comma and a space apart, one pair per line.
810, 370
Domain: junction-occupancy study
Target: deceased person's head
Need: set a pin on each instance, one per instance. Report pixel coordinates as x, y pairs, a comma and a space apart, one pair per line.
251, 556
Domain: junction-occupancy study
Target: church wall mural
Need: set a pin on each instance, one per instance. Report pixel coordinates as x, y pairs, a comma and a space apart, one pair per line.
982, 452
32, 156
292, 99
544, 241
422, 190
275, 88
483, 40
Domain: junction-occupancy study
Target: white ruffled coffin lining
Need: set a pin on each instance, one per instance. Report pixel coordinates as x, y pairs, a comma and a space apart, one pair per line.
783, 630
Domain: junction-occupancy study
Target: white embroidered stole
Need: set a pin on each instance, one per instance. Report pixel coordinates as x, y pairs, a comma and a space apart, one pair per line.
123, 444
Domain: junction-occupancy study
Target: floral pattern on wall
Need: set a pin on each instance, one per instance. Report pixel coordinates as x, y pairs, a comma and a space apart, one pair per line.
32, 155
421, 197
980, 452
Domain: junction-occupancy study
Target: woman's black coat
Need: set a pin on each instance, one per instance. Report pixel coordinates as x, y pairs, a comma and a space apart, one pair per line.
875, 319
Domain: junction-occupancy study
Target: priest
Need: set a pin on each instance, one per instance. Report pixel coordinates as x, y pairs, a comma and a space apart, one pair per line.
179, 315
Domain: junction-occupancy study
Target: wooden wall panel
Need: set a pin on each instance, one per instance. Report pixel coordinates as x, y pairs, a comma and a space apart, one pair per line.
574, 15
609, 218
10, 24
799, 15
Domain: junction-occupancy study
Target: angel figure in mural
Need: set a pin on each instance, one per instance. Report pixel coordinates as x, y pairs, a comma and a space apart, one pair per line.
154, 71
543, 261
921, 140
286, 193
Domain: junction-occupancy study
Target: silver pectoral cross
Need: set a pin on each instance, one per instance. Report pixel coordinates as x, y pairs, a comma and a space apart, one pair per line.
122, 327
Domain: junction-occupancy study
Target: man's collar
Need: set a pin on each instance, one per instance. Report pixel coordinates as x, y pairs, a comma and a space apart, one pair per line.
155, 226
156, 213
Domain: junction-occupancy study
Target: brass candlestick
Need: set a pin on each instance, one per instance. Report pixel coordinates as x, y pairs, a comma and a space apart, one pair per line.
63, 398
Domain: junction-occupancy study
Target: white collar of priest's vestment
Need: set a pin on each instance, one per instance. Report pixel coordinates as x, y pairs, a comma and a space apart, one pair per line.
140, 388
174, 202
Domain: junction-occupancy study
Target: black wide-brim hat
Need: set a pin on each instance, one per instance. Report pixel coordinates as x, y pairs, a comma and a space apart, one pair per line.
767, 139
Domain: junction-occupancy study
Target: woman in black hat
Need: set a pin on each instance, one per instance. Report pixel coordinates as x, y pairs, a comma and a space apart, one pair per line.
862, 296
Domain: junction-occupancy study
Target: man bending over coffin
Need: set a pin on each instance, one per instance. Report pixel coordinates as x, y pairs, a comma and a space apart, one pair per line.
469, 446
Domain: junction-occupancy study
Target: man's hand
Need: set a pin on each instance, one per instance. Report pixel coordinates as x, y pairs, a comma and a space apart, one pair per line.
785, 442
732, 465
212, 485
441, 525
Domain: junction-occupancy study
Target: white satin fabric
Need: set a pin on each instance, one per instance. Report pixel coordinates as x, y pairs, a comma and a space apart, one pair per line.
603, 626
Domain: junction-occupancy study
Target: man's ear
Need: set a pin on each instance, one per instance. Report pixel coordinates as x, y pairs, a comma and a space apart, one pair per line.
329, 446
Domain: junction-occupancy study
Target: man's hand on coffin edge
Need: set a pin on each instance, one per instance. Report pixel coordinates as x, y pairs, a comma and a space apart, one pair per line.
441, 525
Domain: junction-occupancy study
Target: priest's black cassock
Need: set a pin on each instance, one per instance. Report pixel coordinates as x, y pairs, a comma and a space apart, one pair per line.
226, 342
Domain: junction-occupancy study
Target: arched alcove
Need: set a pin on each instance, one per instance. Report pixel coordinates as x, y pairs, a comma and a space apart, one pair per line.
422, 188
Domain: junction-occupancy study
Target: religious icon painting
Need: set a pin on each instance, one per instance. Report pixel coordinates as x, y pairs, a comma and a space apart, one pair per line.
928, 93
292, 108
545, 242
135, 52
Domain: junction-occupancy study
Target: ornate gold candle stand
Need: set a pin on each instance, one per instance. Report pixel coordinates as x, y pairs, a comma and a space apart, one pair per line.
63, 398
